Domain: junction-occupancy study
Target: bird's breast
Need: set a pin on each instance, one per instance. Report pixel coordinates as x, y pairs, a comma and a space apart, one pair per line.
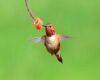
51, 41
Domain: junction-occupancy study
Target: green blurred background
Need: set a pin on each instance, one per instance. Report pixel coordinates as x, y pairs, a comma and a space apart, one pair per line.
22, 60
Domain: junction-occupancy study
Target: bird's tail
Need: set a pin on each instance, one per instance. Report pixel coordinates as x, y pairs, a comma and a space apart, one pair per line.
59, 58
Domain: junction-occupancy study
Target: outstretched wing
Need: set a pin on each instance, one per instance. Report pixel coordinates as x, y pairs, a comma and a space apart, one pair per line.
39, 39
64, 38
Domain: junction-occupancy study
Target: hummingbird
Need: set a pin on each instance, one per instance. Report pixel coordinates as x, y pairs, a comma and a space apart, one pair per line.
51, 40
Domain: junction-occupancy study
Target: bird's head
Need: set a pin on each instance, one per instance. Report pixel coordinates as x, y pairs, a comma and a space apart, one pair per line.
50, 31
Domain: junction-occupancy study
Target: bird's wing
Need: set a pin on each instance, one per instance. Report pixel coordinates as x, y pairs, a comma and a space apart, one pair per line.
64, 38
39, 39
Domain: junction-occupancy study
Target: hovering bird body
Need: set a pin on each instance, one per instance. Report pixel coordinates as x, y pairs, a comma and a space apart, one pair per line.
52, 40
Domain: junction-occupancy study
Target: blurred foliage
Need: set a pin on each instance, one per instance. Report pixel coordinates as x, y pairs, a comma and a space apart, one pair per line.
22, 60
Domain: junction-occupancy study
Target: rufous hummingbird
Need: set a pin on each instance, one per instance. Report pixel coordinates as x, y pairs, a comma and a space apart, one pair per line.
51, 40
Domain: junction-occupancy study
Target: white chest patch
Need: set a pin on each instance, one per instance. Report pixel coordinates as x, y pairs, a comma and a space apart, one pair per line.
51, 39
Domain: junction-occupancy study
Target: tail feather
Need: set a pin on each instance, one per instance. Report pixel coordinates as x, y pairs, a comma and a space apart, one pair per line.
59, 58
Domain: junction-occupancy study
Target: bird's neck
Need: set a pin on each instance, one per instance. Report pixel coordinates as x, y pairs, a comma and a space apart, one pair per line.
50, 34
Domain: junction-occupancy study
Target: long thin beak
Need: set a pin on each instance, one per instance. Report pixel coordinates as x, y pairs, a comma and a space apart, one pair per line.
44, 26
